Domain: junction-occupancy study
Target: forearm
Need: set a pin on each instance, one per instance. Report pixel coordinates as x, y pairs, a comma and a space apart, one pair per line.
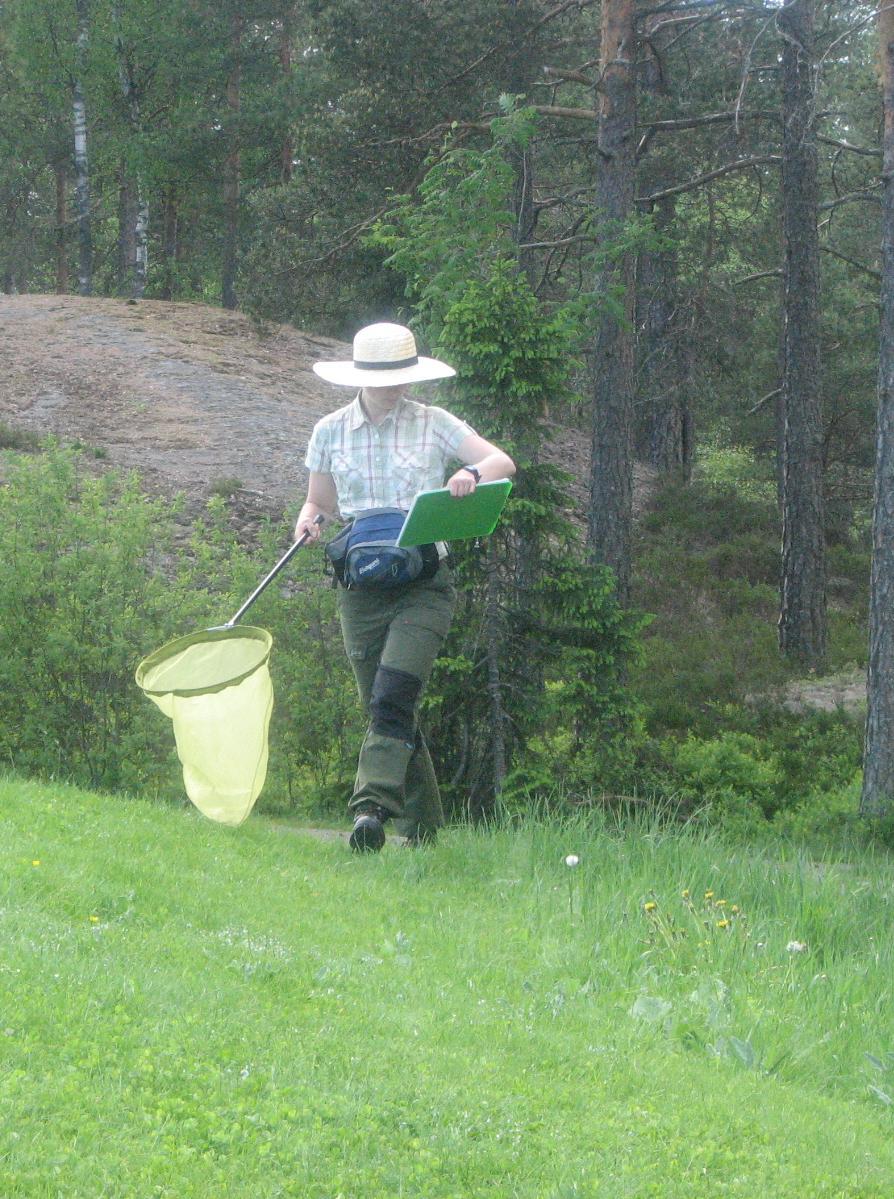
310, 511
321, 501
496, 465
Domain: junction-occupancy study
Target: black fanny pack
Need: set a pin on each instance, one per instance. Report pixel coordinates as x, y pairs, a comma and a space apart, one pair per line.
365, 553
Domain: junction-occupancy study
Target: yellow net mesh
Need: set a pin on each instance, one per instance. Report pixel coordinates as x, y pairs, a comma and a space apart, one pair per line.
215, 686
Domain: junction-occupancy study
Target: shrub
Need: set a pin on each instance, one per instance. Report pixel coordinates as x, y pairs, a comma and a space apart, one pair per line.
734, 468
88, 583
91, 580
732, 777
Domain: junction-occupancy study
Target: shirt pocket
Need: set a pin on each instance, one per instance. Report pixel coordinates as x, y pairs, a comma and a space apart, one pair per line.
348, 477
417, 468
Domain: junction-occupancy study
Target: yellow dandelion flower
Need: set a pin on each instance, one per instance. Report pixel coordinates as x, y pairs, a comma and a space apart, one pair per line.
723, 924
734, 908
650, 906
36, 862
94, 920
686, 893
709, 895
719, 903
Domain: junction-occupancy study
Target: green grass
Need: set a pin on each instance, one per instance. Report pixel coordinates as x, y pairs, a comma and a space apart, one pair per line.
187, 1010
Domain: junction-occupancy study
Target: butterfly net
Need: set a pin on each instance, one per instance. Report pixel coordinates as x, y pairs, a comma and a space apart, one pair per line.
215, 686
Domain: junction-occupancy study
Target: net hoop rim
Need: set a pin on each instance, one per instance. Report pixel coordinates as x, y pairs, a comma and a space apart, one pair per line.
249, 632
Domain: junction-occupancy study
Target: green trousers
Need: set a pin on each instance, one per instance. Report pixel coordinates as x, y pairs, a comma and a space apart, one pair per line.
392, 639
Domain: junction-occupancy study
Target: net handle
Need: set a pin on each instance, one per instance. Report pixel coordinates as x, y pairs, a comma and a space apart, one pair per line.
302, 540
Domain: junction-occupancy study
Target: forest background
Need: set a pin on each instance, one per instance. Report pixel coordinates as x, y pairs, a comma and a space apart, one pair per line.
657, 228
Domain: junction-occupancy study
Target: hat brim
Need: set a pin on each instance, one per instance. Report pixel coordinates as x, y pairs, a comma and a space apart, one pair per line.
346, 374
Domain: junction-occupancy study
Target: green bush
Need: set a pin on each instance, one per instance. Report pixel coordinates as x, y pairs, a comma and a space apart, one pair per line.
92, 579
317, 720
825, 817
732, 778
734, 468
88, 584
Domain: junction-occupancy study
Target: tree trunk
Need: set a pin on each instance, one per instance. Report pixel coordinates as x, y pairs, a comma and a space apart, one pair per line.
495, 641
287, 150
126, 240
878, 755
802, 619
61, 237
134, 235
611, 471
169, 243
82, 170
141, 243
232, 168
663, 383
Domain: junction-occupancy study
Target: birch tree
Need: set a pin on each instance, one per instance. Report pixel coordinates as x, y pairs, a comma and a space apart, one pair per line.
81, 160
135, 236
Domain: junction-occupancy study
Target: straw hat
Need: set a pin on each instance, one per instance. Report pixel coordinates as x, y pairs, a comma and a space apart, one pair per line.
384, 355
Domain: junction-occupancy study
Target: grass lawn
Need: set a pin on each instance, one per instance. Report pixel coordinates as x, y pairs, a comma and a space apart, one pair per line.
188, 1010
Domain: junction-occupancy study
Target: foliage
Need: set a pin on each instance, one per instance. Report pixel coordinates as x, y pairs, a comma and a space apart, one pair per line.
91, 579
733, 777
540, 642
77, 600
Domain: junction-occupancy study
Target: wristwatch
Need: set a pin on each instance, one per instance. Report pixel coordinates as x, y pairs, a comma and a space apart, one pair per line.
473, 470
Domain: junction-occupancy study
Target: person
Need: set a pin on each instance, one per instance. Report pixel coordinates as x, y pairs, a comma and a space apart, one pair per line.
379, 451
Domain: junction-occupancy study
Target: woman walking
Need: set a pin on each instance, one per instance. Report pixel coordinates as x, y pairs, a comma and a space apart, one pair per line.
379, 451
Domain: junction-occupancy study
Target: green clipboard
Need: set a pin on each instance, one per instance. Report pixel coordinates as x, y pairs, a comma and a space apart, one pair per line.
439, 516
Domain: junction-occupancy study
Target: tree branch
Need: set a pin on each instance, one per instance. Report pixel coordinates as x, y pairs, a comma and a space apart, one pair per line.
832, 141
576, 114
860, 266
544, 20
849, 199
569, 76
774, 274
711, 118
764, 400
741, 164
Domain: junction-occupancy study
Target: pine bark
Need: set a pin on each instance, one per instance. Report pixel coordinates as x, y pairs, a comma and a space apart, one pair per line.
611, 472
61, 225
666, 438
82, 165
232, 168
878, 755
802, 618
495, 640
170, 242
286, 50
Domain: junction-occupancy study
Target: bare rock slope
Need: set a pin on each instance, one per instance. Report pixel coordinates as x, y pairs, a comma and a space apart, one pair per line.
190, 396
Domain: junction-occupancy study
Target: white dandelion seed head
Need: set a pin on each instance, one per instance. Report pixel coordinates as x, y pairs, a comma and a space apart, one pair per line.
572, 860
796, 946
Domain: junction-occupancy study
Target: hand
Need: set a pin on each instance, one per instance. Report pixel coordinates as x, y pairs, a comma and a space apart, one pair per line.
462, 483
309, 526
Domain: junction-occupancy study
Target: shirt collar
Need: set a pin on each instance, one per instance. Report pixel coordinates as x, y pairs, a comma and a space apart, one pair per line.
358, 417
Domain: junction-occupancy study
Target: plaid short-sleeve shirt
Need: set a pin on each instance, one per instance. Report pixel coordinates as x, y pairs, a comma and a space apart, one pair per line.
386, 465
